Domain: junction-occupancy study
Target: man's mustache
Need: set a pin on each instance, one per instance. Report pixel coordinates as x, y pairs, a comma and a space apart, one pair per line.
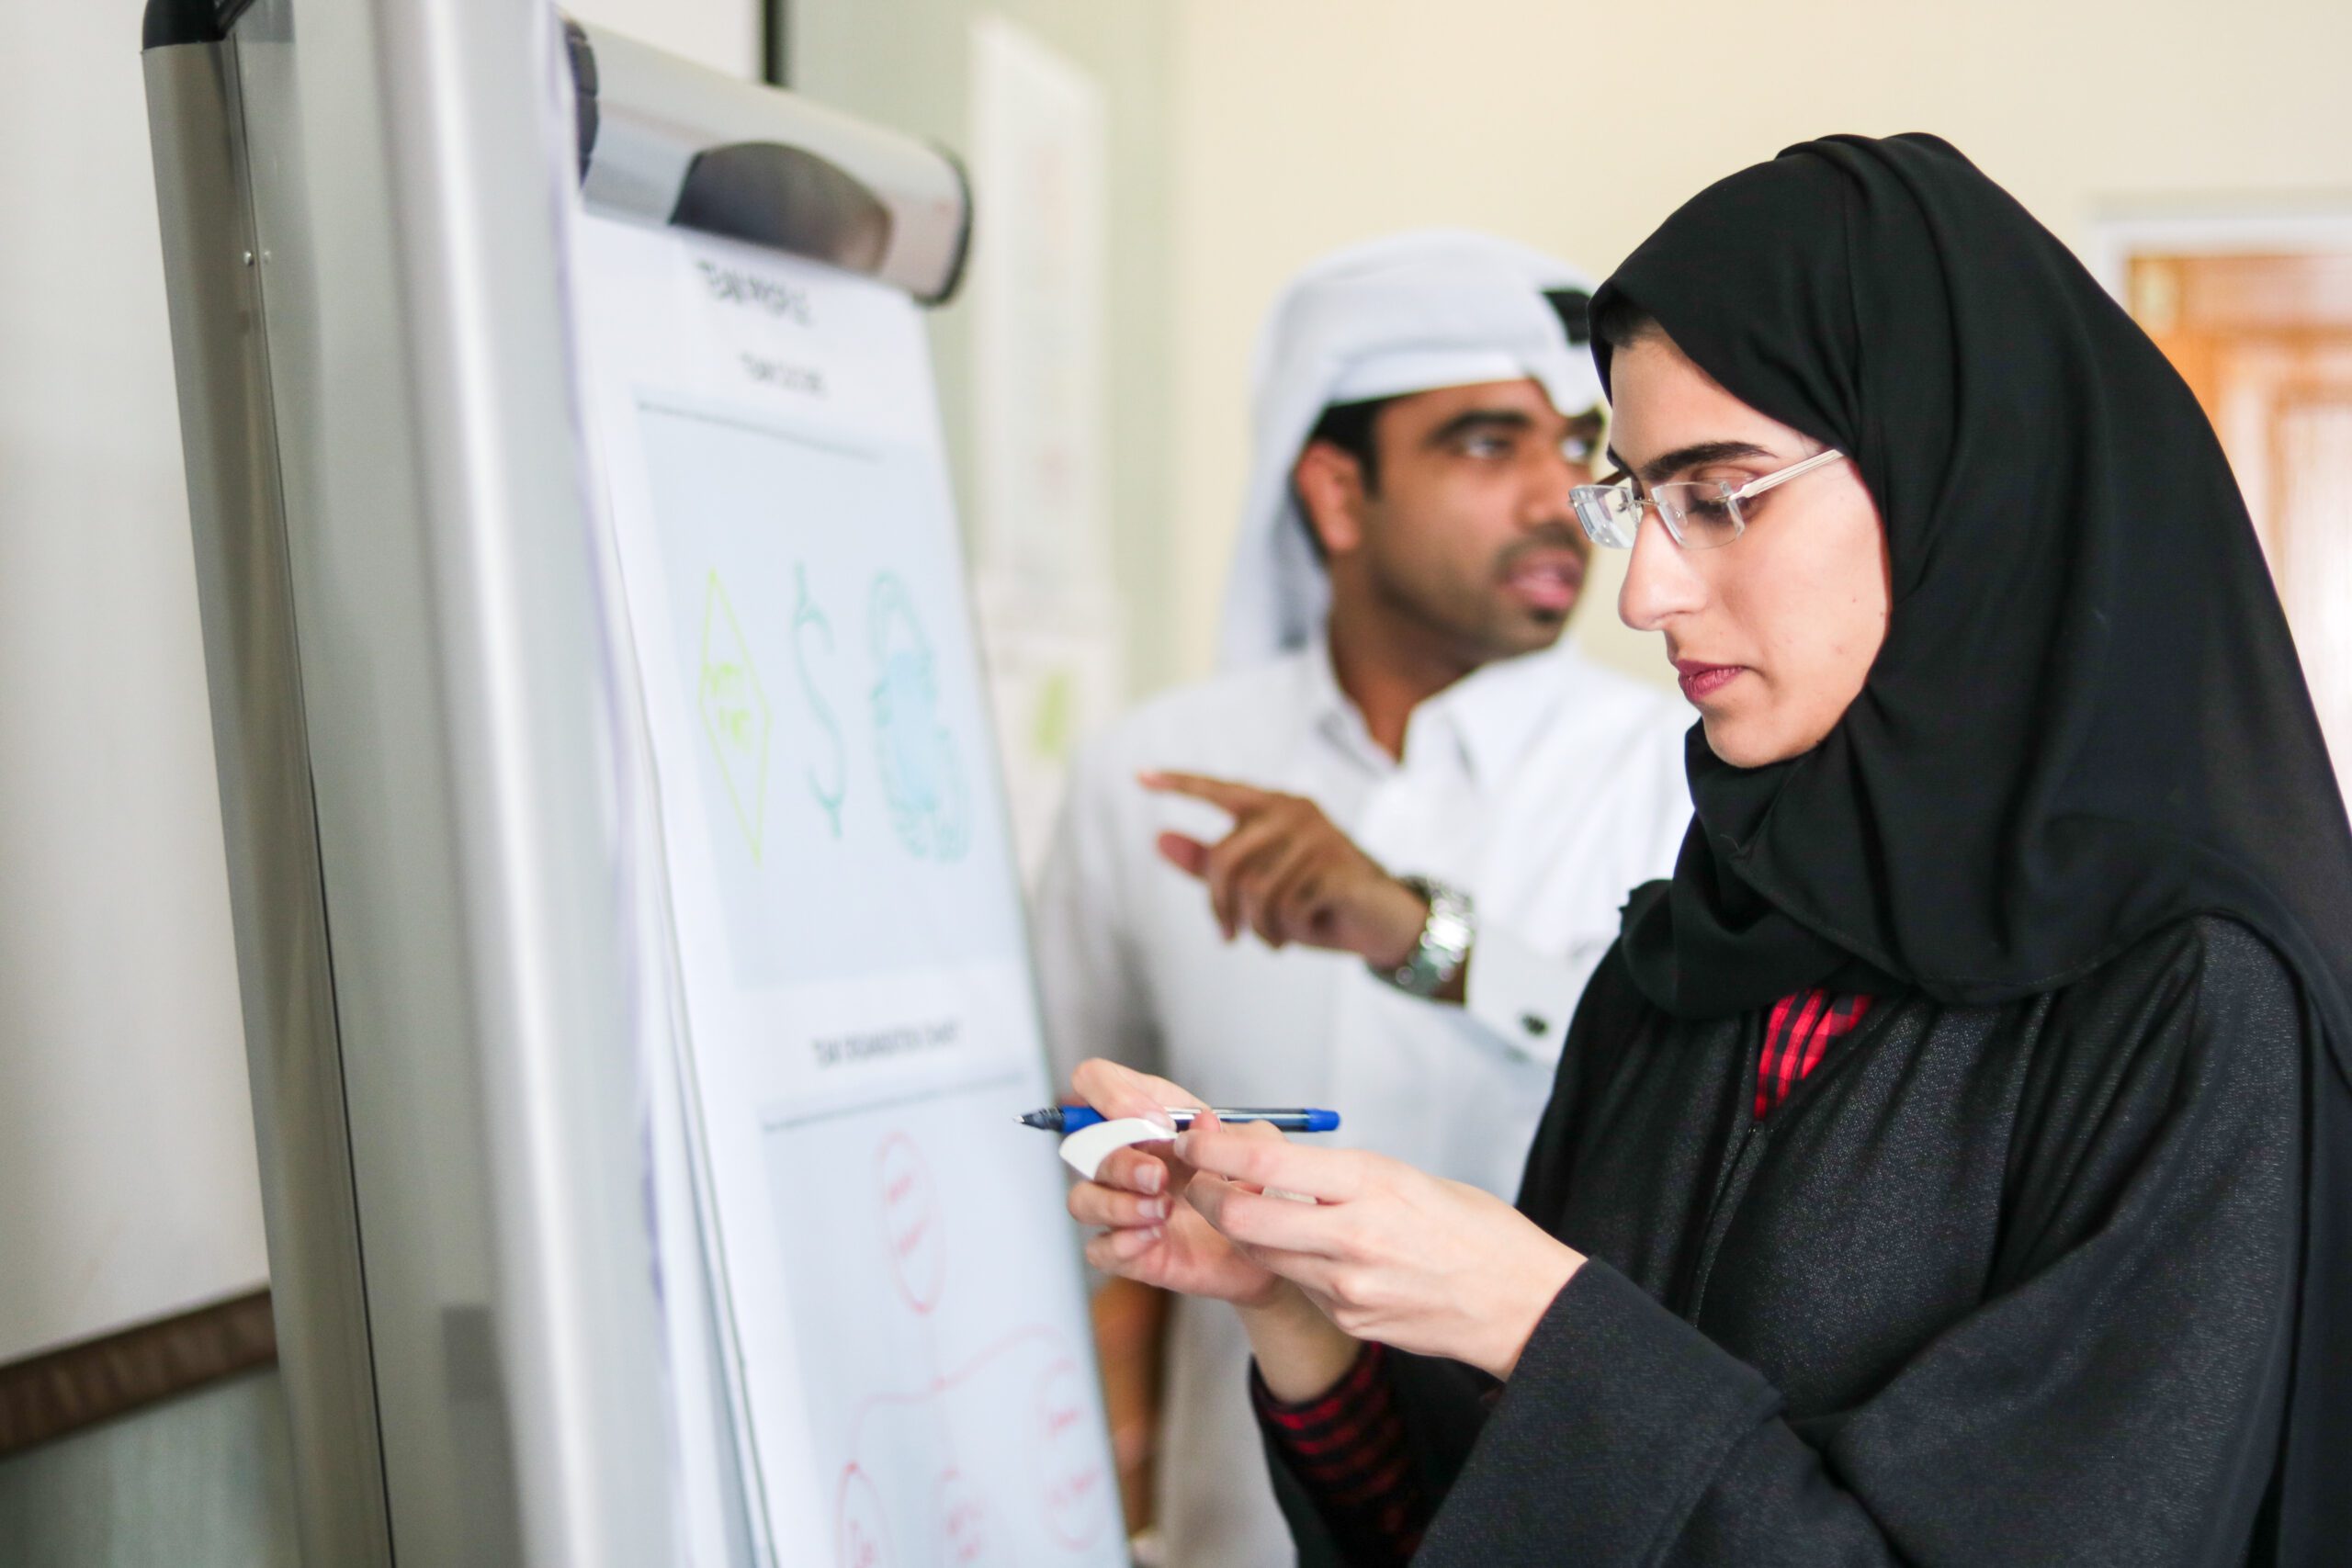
1547, 539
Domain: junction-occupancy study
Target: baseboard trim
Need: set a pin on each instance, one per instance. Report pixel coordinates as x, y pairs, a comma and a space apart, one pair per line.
62, 1391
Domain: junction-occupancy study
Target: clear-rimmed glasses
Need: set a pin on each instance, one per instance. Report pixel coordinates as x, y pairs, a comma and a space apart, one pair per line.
1700, 514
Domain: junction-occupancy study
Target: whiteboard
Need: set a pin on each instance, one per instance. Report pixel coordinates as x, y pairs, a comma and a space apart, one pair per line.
894, 1298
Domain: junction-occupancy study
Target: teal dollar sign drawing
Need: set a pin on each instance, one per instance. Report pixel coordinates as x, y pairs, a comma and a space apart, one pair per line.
922, 778
808, 622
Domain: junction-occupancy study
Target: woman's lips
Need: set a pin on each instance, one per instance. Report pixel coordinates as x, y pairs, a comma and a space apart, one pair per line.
1698, 682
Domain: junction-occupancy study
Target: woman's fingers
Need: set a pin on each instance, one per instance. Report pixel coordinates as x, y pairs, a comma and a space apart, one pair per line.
1264, 1223
1132, 1170
1114, 1251
1332, 1176
1119, 1091
1091, 1204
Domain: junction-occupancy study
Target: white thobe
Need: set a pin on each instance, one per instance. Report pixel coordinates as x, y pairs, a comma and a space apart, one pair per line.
1545, 786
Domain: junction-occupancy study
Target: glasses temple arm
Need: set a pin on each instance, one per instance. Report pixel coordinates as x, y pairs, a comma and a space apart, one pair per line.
1794, 470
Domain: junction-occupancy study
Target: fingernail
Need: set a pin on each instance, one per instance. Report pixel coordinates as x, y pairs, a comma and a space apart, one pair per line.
1153, 1208
1161, 1120
1183, 1146
1149, 1178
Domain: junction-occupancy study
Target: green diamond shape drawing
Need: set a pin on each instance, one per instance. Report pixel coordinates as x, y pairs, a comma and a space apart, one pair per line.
735, 713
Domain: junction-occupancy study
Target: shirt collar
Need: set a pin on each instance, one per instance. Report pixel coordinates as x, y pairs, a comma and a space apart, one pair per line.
1496, 711
1333, 712
1491, 715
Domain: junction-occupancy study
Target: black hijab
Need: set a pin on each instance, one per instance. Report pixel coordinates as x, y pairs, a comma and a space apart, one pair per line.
2088, 719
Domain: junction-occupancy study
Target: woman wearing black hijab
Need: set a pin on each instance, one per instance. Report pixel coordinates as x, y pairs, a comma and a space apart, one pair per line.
1950, 1163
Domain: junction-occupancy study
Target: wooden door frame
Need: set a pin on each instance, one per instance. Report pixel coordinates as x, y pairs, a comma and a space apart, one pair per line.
2299, 226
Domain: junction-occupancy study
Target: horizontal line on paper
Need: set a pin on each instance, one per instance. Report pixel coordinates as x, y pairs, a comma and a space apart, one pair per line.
704, 413
773, 1122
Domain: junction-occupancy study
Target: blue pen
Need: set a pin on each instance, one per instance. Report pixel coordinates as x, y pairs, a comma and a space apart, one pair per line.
1070, 1117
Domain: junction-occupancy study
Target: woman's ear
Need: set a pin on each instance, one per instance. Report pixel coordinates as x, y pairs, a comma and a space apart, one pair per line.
1331, 488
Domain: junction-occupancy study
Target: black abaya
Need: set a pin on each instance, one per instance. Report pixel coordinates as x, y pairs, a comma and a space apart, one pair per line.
2005, 1284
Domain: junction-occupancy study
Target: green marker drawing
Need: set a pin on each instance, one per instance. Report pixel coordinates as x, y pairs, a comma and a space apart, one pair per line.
735, 713
1050, 725
808, 618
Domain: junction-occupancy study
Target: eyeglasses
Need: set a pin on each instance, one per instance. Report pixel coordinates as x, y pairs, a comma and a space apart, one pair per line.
1701, 515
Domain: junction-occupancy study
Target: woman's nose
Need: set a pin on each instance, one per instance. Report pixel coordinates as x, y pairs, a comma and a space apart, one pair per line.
1659, 581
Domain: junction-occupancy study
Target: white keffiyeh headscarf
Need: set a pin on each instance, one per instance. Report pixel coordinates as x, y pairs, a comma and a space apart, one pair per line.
1408, 314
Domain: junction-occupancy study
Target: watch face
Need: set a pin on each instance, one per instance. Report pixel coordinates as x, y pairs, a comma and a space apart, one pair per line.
1446, 942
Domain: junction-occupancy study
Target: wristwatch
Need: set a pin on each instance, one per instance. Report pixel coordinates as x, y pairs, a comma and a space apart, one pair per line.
1446, 942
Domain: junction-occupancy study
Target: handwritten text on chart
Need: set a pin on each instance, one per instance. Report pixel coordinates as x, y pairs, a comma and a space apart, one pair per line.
764, 371
740, 285
876, 1045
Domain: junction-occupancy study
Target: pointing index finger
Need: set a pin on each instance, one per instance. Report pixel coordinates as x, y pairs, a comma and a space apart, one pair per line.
1223, 793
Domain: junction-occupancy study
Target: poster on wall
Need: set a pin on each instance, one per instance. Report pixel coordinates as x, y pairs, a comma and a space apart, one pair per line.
1049, 615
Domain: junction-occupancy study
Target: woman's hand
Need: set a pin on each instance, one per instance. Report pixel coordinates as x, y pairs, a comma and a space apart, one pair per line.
1150, 1234
1387, 1252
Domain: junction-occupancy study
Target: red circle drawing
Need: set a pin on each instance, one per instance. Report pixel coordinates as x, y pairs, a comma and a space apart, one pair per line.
962, 1521
911, 1230
1074, 1488
861, 1539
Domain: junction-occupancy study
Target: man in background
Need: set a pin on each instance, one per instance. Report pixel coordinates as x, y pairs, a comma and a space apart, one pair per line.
1371, 864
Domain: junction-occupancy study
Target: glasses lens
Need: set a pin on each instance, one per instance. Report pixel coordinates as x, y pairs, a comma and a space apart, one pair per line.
1703, 515
1609, 513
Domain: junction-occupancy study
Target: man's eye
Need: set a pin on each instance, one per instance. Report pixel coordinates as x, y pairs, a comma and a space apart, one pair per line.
1486, 446
1580, 449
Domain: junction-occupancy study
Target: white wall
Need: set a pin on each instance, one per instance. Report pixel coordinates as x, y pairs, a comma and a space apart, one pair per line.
1579, 126
721, 34
127, 1188
127, 1184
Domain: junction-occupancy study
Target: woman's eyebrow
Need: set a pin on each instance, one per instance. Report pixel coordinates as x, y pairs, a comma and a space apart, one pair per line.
1696, 455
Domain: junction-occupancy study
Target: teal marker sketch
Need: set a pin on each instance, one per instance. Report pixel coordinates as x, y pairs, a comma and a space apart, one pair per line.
734, 713
808, 620
922, 778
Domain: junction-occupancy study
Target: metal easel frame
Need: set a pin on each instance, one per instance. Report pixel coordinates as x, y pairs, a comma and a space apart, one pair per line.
418, 764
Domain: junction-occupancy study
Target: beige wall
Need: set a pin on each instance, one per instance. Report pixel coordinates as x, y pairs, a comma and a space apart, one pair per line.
1302, 124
